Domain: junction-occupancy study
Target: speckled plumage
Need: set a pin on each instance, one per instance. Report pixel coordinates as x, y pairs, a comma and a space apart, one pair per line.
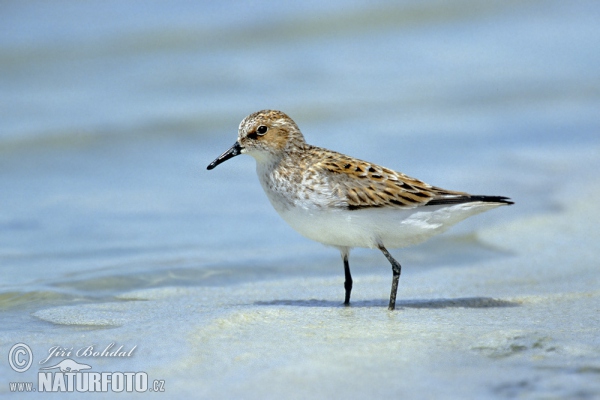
342, 201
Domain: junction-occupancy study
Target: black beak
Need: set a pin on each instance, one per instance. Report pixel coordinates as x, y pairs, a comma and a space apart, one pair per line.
233, 151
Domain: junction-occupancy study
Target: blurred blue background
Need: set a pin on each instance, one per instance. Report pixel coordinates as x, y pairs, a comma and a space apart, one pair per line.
111, 110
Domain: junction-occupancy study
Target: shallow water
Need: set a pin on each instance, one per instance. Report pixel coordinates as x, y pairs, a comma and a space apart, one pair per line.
111, 229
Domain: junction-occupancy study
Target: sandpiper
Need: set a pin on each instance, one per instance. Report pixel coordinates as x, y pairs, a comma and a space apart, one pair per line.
344, 202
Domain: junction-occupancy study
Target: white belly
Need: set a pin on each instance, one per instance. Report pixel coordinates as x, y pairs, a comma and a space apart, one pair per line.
393, 228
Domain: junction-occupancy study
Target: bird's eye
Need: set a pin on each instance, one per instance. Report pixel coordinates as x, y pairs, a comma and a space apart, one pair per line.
261, 130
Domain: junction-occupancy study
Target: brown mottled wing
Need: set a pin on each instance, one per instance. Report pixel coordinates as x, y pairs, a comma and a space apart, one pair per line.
367, 185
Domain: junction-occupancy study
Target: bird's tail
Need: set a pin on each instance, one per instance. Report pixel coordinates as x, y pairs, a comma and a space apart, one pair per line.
470, 199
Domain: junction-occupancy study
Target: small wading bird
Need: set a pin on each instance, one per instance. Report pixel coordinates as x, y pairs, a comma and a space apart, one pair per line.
344, 202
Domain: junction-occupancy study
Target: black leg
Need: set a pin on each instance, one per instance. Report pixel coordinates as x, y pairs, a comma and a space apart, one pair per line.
396, 269
348, 282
